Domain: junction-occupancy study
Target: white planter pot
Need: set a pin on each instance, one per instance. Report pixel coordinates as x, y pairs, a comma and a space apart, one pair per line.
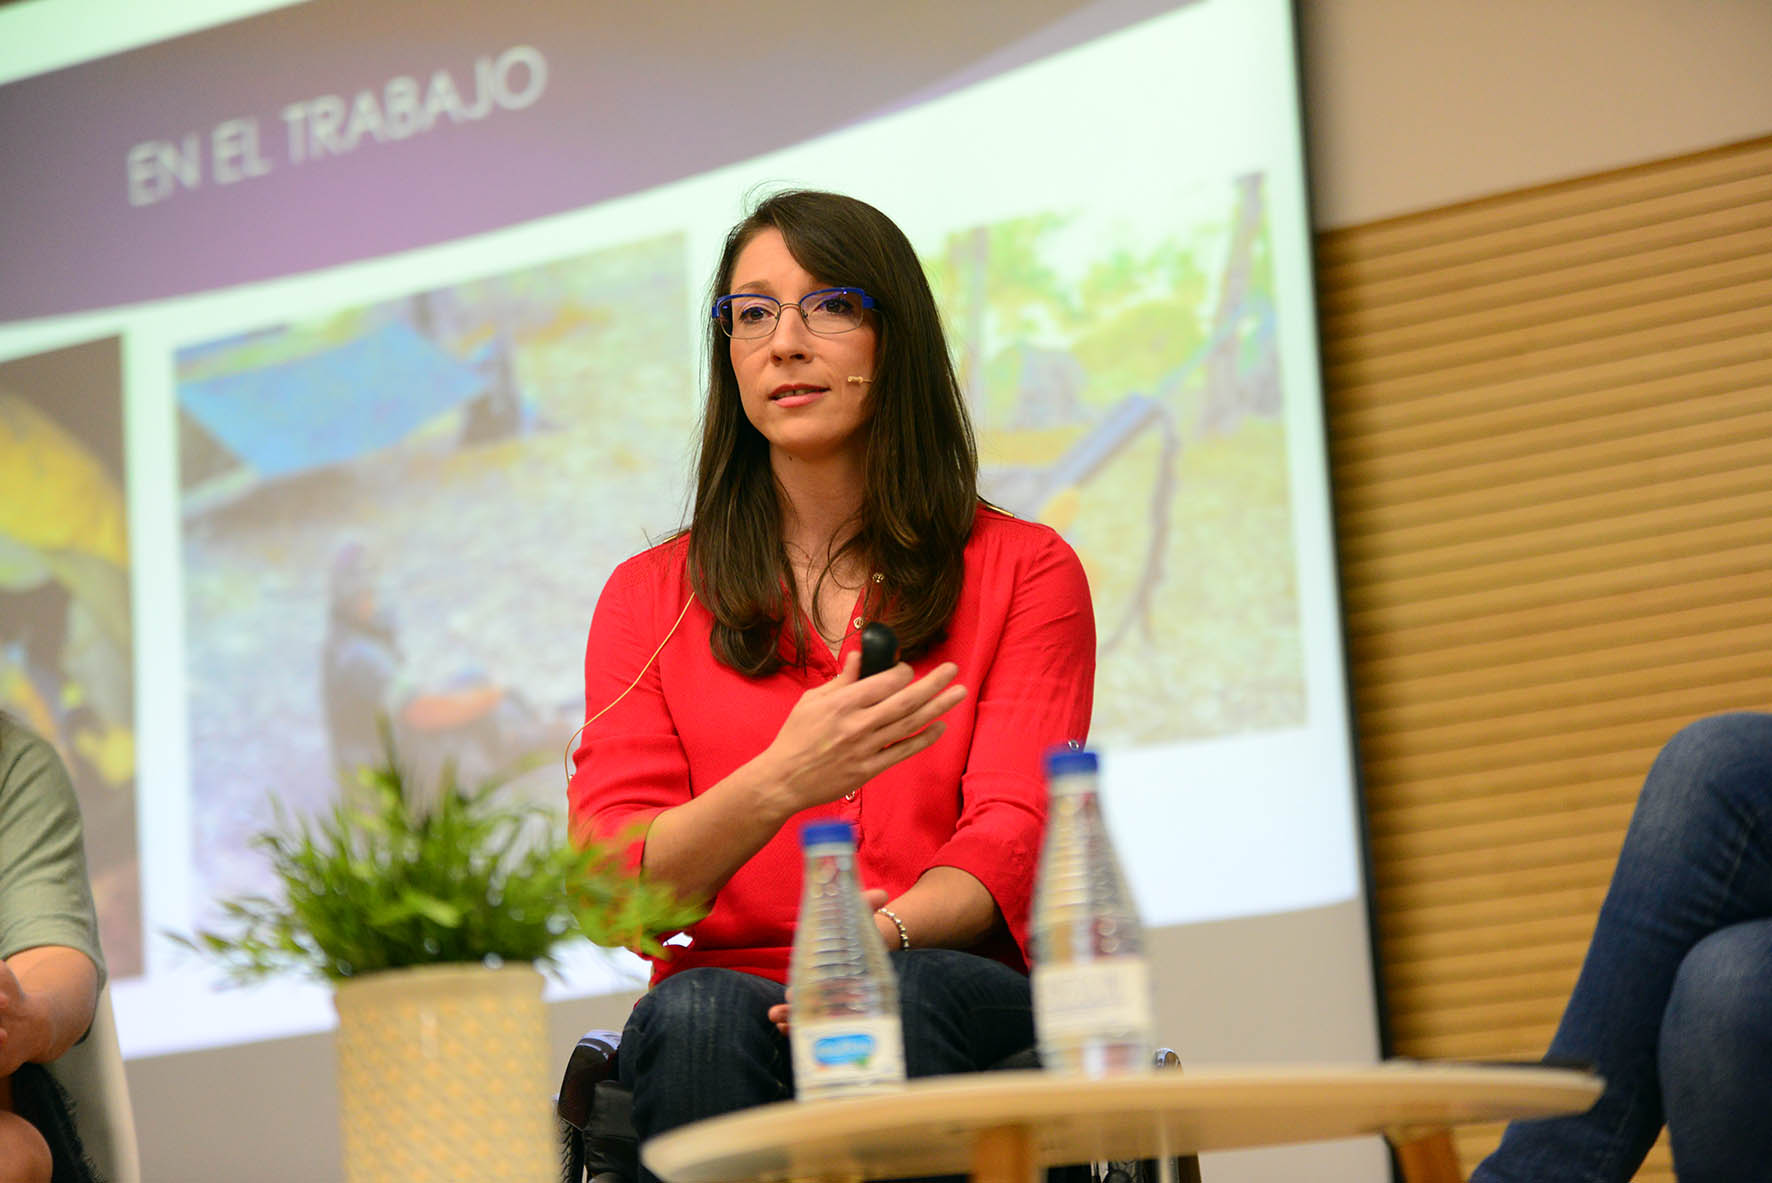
443, 1076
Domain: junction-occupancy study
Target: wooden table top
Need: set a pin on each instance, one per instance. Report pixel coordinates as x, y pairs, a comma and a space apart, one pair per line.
929, 1127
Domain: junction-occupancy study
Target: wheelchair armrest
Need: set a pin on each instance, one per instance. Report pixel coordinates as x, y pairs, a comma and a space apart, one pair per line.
592, 1062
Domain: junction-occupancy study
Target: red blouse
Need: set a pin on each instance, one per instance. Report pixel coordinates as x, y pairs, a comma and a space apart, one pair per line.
1023, 635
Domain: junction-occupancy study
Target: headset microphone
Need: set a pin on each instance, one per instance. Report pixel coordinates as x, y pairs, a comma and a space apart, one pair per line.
859, 380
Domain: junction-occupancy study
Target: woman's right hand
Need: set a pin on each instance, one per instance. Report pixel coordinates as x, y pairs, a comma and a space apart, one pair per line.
836, 737
844, 733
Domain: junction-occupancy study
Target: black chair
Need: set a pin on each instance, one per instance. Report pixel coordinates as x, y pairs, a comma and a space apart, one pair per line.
598, 1143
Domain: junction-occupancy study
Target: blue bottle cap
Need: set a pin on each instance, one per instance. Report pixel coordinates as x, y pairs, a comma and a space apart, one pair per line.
819, 833
1068, 760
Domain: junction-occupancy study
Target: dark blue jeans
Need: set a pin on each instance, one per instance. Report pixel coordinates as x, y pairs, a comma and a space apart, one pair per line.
700, 1042
1674, 1002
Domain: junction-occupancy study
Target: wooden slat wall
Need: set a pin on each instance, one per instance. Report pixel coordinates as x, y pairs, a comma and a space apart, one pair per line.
1550, 419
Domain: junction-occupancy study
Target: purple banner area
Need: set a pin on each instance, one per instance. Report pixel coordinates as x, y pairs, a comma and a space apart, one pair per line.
339, 130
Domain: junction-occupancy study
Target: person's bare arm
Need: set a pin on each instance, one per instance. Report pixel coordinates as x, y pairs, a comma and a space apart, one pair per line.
47, 998
441, 710
24, 1155
946, 908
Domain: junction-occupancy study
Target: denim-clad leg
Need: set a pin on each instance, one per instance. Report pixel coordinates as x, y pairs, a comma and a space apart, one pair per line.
962, 1012
1697, 859
700, 1044
1716, 1058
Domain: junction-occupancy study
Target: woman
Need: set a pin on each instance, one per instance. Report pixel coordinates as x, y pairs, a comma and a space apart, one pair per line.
1674, 1002
836, 484
50, 965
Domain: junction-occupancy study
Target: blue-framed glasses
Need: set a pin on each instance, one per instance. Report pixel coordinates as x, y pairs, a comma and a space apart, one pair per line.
827, 312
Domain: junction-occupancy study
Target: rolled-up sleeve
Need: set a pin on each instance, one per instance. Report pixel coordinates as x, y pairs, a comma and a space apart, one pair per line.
1036, 694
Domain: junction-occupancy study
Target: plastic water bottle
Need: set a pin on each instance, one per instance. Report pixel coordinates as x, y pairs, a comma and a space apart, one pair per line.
1092, 984
843, 1018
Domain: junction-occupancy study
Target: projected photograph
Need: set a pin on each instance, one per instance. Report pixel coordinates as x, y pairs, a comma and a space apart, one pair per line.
405, 511
1125, 382
66, 654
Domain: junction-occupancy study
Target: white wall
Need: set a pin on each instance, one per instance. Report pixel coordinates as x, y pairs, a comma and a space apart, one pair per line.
1413, 104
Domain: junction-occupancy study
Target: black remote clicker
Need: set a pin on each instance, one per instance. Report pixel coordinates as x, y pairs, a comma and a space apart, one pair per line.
879, 648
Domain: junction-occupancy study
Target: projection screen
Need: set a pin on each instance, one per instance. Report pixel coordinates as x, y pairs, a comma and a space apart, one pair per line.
283, 287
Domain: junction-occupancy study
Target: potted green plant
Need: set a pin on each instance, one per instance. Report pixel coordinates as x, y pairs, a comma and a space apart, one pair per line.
432, 915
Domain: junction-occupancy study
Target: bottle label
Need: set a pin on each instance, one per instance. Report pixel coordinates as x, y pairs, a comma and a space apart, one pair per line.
847, 1054
1112, 995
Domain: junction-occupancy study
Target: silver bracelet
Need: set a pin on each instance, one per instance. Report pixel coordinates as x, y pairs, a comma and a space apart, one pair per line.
904, 938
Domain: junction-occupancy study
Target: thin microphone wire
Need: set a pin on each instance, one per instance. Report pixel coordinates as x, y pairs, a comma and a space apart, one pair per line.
566, 756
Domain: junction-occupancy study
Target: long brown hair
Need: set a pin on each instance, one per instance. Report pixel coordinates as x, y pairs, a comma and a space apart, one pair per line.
920, 467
